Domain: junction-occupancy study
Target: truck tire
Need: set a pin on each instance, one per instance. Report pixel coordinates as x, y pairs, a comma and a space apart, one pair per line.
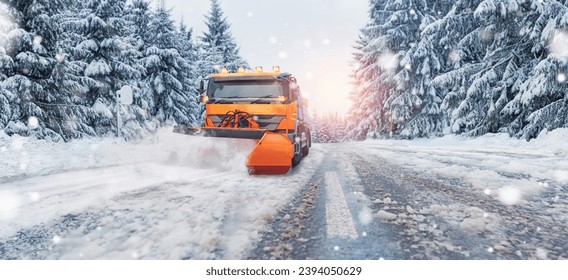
297, 157
306, 149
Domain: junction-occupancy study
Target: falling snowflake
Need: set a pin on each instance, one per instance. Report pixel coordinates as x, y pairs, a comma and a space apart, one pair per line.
558, 45
454, 56
33, 122
60, 57
273, 40
336, 248
490, 249
408, 66
487, 191
561, 78
364, 234
250, 14
307, 43
23, 166
326, 42
388, 61
38, 40
509, 195
56, 239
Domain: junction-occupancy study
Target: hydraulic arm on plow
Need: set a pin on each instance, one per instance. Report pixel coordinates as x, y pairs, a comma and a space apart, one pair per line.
264, 106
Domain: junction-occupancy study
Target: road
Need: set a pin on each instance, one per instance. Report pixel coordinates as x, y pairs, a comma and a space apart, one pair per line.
397, 212
344, 201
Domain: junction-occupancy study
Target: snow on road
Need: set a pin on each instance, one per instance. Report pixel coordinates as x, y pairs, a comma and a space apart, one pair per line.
511, 170
490, 197
172, 197
178, 197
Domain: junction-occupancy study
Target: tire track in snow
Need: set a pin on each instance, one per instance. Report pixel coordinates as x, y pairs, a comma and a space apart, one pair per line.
303, 231
518, 232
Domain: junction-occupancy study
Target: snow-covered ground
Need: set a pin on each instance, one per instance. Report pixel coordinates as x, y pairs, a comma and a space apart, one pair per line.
171, 197
508, 169
507, 196
174, 196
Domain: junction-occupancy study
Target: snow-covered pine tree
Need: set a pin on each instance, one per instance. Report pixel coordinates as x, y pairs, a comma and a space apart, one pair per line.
190, 74
368, 96
413, 105
541, 102
31, 44
165, 69
463, 41
138, 13
101, 40
6, 64
504, 63
421, 63
219, 47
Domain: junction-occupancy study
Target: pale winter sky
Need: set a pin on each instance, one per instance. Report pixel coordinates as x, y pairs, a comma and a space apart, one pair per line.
312, 39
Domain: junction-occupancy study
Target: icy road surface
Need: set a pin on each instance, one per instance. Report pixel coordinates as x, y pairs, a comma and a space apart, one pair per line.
177, 197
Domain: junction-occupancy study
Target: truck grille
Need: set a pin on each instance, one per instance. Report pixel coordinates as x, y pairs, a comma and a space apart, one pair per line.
268, 122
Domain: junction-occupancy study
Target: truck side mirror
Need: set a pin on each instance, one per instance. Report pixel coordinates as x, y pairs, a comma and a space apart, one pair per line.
201, 87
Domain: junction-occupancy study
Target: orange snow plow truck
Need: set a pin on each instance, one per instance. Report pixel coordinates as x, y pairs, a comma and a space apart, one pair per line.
264, 106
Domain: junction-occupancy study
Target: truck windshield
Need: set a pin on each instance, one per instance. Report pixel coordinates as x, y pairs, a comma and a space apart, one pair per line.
245, 89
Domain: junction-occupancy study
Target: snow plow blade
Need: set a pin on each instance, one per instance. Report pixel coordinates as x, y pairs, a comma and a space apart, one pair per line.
241, 133
272, 155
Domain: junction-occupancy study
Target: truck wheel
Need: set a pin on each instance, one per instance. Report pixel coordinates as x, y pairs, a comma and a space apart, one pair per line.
297, 156
306, 149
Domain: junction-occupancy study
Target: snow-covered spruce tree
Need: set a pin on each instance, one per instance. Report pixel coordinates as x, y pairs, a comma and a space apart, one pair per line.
219, 47
394, 71
190, 74
6, 64
166, 70
101, 40
31, 45
138, 13
414, 103
542, 100
504, 66
368, 95
463, 40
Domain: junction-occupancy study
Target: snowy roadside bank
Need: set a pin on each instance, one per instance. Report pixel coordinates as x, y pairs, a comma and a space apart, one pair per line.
512, 170
171, 197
